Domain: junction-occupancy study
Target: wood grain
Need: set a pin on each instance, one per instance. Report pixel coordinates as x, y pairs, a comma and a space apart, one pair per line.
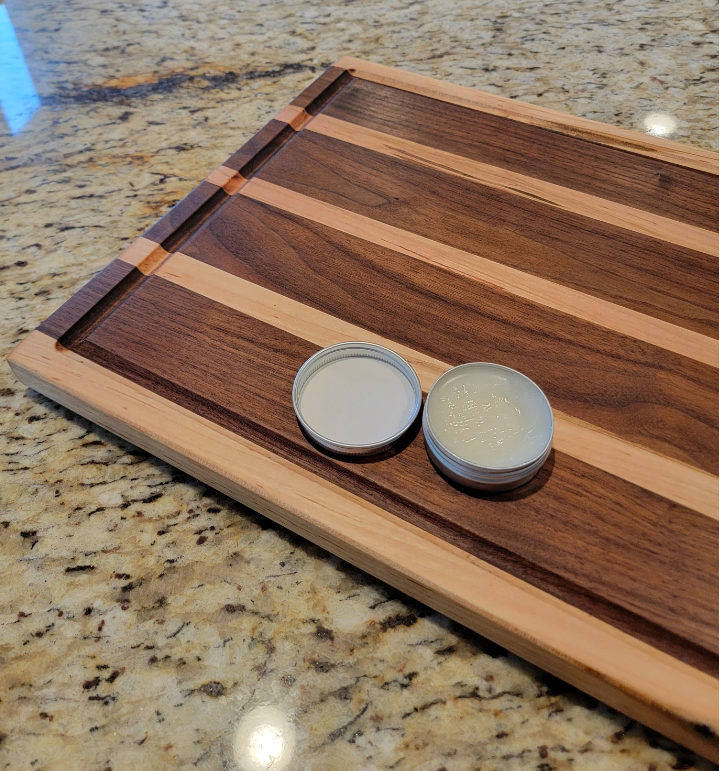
230, 180
642, 274
546, 294
149, 327
185, 346
638, 680
649, 396
668, 478
575, 201
515, 110
640, 181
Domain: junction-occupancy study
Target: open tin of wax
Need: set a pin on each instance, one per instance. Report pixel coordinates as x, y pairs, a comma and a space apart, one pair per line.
356, 398
487, 426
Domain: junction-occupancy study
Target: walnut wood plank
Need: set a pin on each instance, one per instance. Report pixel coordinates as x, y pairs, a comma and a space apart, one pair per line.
642, 274
637, 679
477, 268
515, 110
686, 485
650, 396
575, 201
645, 183
177, 342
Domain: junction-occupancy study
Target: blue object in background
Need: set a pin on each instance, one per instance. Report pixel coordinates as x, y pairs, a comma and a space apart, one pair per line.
18, 98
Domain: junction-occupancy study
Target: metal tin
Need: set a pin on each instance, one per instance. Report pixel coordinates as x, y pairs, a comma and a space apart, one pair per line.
478, 476
356, 350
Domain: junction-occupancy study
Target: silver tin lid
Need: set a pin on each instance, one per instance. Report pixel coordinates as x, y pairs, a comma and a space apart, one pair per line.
356, 398
488, 476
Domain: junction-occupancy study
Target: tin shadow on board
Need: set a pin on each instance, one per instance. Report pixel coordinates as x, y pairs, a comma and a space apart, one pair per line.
518, 493
405, 440
524, 491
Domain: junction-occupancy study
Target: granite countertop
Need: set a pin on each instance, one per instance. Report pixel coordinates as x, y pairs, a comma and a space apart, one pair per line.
148, 622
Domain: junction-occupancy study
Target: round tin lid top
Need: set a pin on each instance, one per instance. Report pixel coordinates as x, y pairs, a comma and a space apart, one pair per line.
356, 398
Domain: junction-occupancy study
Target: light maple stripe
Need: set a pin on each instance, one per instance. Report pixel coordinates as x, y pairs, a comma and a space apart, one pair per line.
539, 290
296, 117
144, 254
515, 109
230, 180
565, 198
691, 487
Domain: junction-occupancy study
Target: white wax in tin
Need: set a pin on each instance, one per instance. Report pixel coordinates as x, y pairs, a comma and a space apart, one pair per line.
489, 416
357, 401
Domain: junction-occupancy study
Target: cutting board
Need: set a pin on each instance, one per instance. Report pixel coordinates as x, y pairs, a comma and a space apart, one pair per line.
450, 225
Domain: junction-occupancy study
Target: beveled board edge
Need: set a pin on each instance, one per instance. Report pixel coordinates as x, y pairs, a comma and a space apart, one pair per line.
544, 117
631, 676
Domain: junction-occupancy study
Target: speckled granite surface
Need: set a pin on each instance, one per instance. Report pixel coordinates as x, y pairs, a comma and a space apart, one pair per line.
143, 617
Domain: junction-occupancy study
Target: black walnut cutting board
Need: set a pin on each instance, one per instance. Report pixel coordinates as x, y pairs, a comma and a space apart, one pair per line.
451, 226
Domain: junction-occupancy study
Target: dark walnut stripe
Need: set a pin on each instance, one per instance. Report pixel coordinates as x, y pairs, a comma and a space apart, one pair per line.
635, 180
313, 98
172, 229
86, 306
625, 554
645, 274
635, 390
260, 147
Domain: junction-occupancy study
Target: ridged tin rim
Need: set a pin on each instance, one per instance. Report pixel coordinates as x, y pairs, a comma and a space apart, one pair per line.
472, 471
346, 351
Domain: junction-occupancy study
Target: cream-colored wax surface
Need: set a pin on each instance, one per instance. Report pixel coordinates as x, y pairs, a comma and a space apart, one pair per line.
357, 401
490, 416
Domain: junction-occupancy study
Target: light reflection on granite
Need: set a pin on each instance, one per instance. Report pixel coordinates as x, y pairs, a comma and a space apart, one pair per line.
143, 617
660, 124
